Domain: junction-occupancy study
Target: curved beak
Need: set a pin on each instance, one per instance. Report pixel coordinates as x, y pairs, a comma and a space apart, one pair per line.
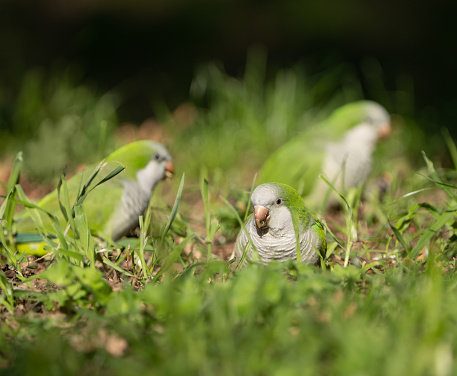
262, 216
169, 170
384, 131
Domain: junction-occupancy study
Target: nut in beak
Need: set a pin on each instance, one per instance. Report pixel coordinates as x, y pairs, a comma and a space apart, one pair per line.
384, 131
262, 216
169, 170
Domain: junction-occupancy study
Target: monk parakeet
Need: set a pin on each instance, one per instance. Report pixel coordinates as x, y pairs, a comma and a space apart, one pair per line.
340, 148
112, 209
277, 207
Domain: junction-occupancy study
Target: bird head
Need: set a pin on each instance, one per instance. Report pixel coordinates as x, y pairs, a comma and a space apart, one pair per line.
378, 117
157, 166
272, 203
363, 112
169, 170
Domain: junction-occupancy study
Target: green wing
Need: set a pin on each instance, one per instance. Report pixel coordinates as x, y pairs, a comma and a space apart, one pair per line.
318, 228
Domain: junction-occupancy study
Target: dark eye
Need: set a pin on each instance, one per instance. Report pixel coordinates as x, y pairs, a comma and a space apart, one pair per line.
156, 157
278, 201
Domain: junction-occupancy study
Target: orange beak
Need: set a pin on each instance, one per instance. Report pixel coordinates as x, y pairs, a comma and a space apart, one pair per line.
169, 170
262, 216
384, 131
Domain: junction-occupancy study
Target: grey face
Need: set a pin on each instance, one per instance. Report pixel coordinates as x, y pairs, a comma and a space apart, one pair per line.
270, 212
160, 167
377, 115
159, 152
265, 195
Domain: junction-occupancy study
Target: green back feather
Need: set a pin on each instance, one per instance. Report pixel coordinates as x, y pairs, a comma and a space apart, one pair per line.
133, 156
295, 202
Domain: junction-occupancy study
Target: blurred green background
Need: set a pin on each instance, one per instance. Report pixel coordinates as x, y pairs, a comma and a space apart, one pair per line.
74, 71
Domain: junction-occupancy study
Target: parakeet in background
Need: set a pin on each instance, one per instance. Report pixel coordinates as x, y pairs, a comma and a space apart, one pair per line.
112, 209
271, 227
340, 148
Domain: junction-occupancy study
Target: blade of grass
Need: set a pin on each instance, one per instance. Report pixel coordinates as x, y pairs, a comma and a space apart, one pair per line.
66, 209
6, 297
410, 194
116, 267
7, 242
143, 239
82, 228
450, 145
63, 202
248, 206
174, 210
111, 175
86, 189
68, 253
7, 210
399, 236
38, 222
331, 187
249, 244
440, 222
349, 225
437, 179
12, 181
205, 196
211, 226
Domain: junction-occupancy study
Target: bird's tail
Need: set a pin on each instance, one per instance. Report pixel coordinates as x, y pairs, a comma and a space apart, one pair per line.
30, 243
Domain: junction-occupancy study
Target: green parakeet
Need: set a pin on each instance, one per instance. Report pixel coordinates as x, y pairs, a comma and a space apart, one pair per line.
277, 207
112, 209
340, 148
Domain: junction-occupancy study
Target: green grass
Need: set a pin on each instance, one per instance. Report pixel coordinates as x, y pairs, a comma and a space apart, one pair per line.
383, 303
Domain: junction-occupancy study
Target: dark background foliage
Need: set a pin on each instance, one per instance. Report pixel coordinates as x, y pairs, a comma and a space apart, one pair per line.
147, 51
